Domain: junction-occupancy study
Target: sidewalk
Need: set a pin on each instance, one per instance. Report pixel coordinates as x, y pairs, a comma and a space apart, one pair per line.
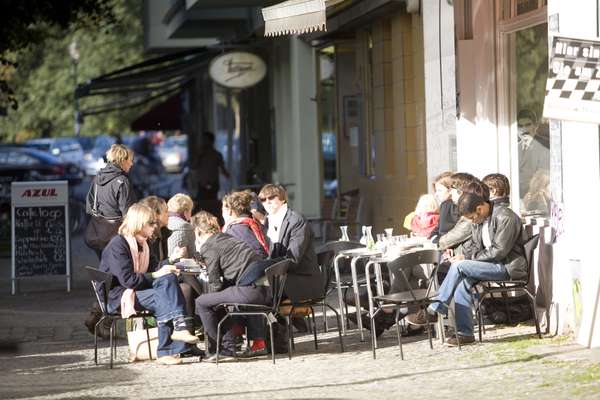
56, 362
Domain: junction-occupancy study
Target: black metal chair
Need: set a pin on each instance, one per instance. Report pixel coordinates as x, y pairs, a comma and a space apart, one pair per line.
276, 275
489, 288
325, 255
402, 294
101, 284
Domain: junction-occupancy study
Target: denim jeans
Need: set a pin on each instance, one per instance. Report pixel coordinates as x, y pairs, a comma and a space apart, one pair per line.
473, 272
166, 301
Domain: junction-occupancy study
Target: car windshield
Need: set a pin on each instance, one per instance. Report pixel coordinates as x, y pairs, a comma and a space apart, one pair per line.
44, 146
86, 142
66, 145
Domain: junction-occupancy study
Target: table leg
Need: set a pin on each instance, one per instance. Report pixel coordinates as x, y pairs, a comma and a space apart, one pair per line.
338, 284
357, 297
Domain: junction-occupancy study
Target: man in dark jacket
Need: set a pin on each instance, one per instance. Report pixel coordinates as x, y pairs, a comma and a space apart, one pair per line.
235, 275
291, 237
494, 252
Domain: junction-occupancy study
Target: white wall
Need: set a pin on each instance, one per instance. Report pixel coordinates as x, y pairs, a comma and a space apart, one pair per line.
293, 86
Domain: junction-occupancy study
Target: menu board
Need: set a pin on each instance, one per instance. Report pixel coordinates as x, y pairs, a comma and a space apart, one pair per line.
40, 241
40, 230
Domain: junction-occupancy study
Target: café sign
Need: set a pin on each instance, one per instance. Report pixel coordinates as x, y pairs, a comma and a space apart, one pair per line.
237, 69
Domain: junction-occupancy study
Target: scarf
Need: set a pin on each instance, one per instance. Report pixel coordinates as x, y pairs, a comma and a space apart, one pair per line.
140, 266
254, 227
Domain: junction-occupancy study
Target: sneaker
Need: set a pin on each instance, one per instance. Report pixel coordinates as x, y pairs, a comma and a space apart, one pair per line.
453, 342
419, 319
184, 336
224, 355
250, 353
169, 360
194, 351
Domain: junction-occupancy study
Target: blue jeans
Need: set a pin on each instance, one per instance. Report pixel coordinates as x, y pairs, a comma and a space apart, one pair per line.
455, 285
166, 301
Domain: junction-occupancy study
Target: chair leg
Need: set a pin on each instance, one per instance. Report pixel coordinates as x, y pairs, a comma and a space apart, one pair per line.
399, 333
373, 345
428, 329
535, 318
339, 325
325, 327
219, 338
111, 334
272, 340
149, 347
290, 336
96, 339
314, 326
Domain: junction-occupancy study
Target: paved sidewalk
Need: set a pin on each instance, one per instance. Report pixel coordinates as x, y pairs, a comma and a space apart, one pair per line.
56, 362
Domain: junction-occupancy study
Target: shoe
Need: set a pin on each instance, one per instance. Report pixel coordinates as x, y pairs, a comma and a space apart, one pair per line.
249, 353
170, 360
453, 342
184, 336
419, 319
194, 351
381, 323
224, 355
300, 324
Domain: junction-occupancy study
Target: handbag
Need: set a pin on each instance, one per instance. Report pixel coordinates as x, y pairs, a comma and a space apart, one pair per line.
100, 230
138, 344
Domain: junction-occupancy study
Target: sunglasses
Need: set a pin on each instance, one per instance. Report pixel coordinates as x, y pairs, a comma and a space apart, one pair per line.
263, 199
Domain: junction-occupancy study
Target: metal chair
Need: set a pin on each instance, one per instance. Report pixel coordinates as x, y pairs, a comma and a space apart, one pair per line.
325, 255
488, 288
276, 275
346, 210
399, 296
101, 284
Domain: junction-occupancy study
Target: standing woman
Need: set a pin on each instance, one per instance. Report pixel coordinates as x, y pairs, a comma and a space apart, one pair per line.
109, 197
140, 283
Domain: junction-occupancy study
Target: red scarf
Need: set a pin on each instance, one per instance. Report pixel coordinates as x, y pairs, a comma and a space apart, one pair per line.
254, 227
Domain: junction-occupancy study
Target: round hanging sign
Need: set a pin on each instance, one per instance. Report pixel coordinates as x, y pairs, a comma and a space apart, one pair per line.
237, 69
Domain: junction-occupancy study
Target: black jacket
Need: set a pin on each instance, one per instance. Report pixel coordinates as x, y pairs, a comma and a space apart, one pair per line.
116, 259
225, 257
448, 218
506, 236
244, 233
115, 193
296, 242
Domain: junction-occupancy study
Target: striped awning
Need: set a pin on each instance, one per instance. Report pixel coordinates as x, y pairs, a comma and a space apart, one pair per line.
294, 17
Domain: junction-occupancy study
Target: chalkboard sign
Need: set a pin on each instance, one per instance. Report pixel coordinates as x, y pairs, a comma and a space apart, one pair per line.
40, 247
40, 230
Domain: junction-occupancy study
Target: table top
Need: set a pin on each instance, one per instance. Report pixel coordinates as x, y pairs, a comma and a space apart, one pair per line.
360, 252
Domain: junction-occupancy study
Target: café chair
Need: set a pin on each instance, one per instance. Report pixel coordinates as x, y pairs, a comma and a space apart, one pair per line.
489, 288
401, 293
101, 284
276, 275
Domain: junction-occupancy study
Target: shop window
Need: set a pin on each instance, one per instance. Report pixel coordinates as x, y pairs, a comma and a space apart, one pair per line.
327, 119
513, 8
531, 63
525, 6
367, 141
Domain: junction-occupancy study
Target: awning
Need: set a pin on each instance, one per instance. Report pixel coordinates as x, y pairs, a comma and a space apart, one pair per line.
295, 17
142, 83
163, 116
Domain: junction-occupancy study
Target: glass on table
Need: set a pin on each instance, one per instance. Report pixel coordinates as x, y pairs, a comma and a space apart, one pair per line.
344, 229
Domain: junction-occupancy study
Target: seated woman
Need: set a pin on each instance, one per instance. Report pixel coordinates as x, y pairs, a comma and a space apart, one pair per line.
426, 216
239, 223
235, 275
140, 283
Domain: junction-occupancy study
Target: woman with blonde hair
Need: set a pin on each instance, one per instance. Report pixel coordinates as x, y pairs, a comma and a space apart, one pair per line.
140, 282
109, 197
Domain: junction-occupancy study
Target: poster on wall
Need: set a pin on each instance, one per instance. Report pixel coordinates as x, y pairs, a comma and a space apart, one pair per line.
572, 88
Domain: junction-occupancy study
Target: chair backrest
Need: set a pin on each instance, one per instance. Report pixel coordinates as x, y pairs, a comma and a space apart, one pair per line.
276, 275
528, 248
326, 255
398, 269
101, 283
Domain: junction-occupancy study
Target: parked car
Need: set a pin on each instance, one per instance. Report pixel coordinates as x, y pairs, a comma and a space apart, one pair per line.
93, 160
20, 163
65, 148
173, 153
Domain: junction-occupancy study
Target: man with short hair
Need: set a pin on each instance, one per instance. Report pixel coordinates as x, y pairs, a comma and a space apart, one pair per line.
494, 252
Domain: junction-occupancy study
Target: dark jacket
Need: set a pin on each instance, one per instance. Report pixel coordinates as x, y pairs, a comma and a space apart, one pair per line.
505, 234
456, 236
296, 242
115, 193
116, 259
225, 257
244, 233
448, 218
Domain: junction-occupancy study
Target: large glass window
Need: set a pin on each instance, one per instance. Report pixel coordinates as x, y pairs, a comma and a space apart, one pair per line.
327, 120
531, 69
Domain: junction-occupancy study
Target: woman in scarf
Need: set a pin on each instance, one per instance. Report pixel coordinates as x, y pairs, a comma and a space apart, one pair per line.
239, 223
140, 282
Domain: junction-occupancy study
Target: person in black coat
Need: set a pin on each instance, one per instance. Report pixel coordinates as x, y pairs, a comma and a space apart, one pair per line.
111, 193
140, 282
240, 224
291, 237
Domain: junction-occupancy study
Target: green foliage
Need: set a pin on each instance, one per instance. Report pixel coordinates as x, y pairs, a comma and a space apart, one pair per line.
44, 84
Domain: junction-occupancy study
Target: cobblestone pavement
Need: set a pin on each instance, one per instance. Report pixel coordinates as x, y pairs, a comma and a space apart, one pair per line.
55, 361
